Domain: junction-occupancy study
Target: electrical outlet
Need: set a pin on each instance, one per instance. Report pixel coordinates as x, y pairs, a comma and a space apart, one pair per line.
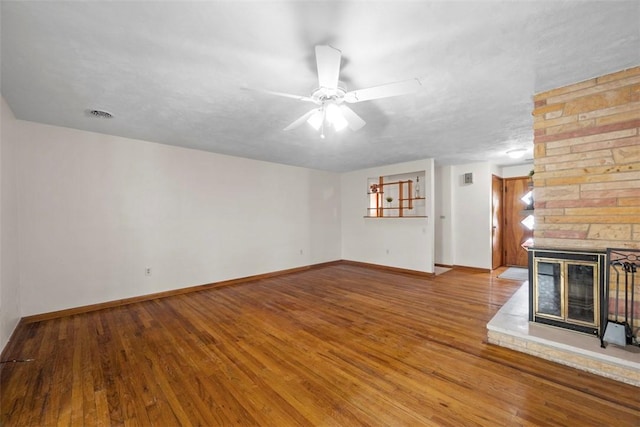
387, 251
301, 252
147, 271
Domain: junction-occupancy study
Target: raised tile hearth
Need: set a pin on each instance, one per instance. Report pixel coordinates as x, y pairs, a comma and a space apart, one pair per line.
510, 328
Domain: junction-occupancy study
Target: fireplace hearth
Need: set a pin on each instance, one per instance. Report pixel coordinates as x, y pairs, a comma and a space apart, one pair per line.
593, 292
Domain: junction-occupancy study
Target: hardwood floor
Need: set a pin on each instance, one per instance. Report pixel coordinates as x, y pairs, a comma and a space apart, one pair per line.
340, 345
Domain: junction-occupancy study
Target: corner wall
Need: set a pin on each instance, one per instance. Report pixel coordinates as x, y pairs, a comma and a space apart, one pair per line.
471, 215
396, 242
9, 265
444, 249
463, 218
587, 164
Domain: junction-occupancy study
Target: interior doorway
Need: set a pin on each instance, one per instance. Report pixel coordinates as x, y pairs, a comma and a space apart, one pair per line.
515, 210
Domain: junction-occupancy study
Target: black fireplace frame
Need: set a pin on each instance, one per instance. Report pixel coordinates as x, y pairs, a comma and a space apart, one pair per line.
595, 256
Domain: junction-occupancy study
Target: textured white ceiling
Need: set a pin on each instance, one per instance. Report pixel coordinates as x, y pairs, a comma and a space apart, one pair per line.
173, 72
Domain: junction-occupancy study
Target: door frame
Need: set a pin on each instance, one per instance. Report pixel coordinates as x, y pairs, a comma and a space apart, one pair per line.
497, 221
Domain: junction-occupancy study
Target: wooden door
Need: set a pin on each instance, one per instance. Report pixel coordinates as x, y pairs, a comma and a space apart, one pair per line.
496, 222
514, 232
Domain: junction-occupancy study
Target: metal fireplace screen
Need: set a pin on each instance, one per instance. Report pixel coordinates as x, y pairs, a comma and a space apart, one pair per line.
623, 281
566, 289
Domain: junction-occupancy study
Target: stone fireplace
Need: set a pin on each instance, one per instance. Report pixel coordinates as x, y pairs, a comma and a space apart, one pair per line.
587, 199
587, 164
586, 186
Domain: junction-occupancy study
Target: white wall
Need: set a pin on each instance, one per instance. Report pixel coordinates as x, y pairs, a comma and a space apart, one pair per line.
444, 249
396, 242
516, 170
471, 215
9, 265
463, 212
96, 210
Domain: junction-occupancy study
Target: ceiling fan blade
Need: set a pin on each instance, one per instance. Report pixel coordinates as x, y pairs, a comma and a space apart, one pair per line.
286, 95
354, 120
300, 121
328, 61
384, 91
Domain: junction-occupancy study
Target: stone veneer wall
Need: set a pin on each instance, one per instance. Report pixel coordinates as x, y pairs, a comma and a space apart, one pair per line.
587, 164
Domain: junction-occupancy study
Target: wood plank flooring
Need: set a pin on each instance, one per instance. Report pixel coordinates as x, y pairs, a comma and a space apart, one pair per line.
341, 345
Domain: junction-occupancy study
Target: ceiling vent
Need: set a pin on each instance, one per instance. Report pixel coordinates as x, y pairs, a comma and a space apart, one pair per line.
100, 114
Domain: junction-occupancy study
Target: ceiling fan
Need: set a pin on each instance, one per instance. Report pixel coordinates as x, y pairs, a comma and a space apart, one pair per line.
331, 95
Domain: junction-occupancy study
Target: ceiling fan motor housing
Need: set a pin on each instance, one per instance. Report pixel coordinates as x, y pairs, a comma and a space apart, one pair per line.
323, 94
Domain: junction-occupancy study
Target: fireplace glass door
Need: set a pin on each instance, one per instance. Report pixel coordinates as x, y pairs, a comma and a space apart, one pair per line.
566, 292
549, 292
580, 293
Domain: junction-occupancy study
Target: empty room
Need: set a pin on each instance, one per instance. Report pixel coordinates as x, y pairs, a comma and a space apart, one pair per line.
345, 213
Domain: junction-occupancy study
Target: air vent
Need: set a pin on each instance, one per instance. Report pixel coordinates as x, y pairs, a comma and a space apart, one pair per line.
100, 114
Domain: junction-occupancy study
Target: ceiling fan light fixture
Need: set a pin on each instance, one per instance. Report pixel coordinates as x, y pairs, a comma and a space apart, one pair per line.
335, 117
339, 123
316, 119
